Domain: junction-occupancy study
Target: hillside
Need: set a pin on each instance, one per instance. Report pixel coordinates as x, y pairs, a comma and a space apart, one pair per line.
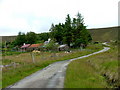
8, 38
104, 34
98, 34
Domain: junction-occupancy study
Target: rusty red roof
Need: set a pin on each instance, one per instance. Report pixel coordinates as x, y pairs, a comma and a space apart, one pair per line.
35, 45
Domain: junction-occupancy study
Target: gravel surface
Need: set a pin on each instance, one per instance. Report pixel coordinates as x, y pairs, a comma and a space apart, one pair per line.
50, 77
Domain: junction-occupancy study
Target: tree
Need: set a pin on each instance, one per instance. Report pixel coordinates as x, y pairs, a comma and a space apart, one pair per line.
67, 37
31, 37
43, 36
72, 32
57, 32
80, 19
20, 39
80, 34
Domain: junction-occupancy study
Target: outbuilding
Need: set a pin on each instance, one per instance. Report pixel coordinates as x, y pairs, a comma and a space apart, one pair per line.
64, 47
24, 47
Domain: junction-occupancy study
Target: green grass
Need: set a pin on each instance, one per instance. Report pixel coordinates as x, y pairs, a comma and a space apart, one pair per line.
25, 69
110, 65
97, 71
81, 75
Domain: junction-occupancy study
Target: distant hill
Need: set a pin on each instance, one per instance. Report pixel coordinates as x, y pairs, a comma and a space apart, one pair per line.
8, 38
98, 34
104, 34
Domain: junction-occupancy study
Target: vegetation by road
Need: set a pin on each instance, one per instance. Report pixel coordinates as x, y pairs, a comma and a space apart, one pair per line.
26, 66
97, 71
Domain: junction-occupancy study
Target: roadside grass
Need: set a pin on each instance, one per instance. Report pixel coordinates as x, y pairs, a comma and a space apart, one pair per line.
26, 66
81, 75
97, 71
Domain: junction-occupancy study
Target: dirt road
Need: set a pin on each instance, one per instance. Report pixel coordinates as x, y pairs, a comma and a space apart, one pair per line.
50, 77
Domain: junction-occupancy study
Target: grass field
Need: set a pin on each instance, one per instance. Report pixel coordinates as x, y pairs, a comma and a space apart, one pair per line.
25, 65
97, 71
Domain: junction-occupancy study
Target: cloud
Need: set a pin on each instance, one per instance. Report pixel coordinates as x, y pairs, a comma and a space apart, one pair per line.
38, 15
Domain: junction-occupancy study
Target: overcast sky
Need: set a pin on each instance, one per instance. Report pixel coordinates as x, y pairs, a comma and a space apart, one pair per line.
38, 15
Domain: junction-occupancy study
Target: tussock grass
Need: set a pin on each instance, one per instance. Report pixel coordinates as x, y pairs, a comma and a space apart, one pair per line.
27, 67
97, 71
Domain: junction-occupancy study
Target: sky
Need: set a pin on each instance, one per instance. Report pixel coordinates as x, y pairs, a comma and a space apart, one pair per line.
38, 15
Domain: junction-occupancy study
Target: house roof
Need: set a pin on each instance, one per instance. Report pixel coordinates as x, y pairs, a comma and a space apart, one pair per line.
35, 45
25, 46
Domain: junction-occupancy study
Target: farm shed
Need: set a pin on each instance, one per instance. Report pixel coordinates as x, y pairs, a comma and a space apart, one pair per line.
63, 47
46, 42
24, 47
34, 47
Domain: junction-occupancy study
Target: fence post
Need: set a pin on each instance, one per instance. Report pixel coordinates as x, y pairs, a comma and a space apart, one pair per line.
14, 64
33, 58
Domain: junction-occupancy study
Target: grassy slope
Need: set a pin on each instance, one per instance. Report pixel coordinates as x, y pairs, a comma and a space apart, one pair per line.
104, 34
94, 71
28, 68
8, 38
